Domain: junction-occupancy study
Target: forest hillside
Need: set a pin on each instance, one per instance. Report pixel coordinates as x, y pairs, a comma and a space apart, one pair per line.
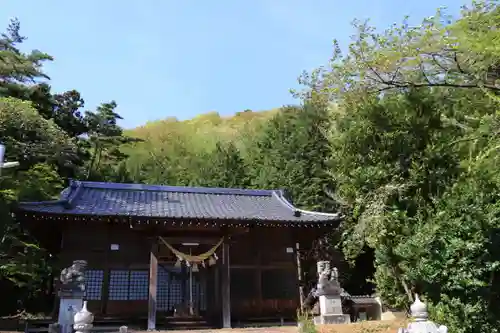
204, 130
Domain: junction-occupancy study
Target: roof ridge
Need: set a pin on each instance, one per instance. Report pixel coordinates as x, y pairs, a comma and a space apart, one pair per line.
41, 203
167, 188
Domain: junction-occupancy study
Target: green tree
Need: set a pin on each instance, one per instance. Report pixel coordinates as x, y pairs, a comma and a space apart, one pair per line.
441, 52
417, 116
66, 112
22, 77
224, 167
290, 154
31, 139
23, 262
18, 70
105, 138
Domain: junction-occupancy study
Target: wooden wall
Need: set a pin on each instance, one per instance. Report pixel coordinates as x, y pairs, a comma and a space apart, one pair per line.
92, 242
264, 280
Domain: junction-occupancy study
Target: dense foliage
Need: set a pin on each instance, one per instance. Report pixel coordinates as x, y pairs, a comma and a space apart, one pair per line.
415, 159
400, 134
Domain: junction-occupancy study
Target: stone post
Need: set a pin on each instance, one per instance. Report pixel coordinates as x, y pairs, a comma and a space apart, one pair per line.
379, 308
421, 323
328, 291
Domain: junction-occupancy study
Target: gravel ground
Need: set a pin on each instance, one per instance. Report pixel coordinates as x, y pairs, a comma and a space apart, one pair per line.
371, 326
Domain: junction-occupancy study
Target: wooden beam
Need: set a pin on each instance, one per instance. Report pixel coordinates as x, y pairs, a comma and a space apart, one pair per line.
153, 276
188, 238
226, 285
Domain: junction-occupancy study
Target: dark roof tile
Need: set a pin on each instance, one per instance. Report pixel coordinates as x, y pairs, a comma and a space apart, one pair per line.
111, 199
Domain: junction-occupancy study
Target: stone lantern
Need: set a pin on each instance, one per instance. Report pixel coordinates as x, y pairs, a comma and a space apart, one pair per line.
421, 323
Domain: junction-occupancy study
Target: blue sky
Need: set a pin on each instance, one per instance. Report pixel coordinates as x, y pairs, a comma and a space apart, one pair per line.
164, 58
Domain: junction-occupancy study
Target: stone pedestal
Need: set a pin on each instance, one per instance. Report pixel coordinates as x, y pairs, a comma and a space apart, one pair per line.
71, 302
83, 320
331, 311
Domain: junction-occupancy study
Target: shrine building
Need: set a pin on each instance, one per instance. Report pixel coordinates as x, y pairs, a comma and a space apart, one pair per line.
162, 253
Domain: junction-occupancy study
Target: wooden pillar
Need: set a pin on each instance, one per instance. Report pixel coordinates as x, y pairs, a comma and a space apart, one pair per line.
184, 286
217, 292
299, 275
106, 272
226, 285
153, 281
258, 276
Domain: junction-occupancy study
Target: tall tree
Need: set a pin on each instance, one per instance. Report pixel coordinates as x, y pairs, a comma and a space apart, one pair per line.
290, 154
105, 138
224, 167
19, 71
66, 113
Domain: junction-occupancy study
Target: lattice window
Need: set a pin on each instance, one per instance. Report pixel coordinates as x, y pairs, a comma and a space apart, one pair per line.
175, 290
118, 285
198, 292
93, 284
139, 285
202, 295
169, 289
162, 289
128, 285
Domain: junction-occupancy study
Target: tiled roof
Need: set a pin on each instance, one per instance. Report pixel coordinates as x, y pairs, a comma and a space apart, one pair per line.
364, 300
151, 201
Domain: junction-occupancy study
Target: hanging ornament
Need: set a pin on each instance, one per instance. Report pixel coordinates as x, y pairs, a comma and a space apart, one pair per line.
195, 267
211, 261
188, 264
178, 263
215, 256
203, 264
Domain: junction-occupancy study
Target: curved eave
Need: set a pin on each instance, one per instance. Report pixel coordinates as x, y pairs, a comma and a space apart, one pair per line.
327, 216
173, 221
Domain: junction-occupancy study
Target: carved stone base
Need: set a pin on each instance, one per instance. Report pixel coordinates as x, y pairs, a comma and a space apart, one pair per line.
67, 309
330, 319
82, 328
70, 294
330, 304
